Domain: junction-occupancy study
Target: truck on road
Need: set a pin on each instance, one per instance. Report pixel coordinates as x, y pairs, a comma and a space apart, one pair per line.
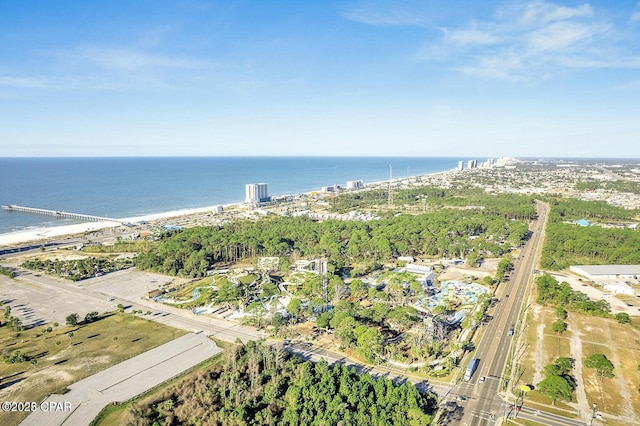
471, 368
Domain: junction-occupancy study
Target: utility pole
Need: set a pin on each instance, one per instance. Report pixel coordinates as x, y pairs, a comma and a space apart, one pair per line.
593, 414
390, 200
322, 271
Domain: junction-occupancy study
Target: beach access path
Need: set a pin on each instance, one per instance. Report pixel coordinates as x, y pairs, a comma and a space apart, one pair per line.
123, 381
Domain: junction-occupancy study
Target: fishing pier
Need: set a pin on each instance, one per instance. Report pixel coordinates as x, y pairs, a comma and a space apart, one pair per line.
58, 213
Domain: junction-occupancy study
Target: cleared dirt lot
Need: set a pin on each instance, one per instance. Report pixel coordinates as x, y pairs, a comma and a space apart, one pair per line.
616, 398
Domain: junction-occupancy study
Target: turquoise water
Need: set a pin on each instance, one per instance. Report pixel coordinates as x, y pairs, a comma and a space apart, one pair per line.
125, 187
463, 293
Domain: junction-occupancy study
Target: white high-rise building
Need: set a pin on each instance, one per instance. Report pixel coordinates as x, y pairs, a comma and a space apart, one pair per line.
460, 165
256, 193
355, 184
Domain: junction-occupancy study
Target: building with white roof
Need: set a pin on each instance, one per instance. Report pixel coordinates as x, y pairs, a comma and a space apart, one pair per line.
607, 272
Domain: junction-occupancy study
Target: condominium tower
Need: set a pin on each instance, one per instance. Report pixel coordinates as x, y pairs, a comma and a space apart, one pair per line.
256, 193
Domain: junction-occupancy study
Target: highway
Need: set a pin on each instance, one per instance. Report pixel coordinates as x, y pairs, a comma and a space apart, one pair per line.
482, 403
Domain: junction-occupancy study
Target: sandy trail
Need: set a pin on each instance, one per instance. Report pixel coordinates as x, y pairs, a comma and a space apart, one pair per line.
575, 344
625, 393
538, 362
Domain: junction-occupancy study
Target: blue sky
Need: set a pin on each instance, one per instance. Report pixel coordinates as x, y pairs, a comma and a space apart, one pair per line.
369, 77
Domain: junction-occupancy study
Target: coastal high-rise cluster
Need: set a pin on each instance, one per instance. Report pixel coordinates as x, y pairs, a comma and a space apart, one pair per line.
473, 164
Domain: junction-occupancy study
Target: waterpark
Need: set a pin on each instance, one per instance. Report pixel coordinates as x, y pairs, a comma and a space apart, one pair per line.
455, 293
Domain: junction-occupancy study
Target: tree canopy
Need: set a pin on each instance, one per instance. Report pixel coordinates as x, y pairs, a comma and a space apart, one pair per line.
601, 364
447, 233
259, 384
567, 244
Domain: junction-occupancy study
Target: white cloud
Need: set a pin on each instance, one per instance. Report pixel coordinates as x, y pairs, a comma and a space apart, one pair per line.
123, 59
501, 66
572, 61
523, 41
99, 68
112, 69
635, 16
387, 12
543, 12
469, 36
563, 35
23, 82
633, 85
532, 41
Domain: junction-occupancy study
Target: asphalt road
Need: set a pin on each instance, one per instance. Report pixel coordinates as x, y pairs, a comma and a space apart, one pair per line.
483, 404
122, 381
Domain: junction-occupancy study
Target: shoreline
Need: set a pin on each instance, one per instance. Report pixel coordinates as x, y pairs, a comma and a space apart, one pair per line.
46, 233
38, 234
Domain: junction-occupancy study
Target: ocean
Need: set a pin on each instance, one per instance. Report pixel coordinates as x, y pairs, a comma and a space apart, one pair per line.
127, 187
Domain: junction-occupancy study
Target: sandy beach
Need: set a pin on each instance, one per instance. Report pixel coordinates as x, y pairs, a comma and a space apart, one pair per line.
47, 233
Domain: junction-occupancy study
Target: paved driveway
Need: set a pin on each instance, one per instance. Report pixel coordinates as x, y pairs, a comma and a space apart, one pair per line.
122, 381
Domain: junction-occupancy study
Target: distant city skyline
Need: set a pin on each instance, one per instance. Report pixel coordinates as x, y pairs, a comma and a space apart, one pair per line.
463, 79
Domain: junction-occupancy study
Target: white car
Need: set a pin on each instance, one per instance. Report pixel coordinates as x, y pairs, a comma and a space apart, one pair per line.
481, 380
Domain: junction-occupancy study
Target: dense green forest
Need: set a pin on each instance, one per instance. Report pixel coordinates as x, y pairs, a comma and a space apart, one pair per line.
447, 233
508, 206
261, 384
567, 244
570, 209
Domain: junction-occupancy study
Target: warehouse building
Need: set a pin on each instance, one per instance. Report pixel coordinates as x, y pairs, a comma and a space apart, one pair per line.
607, 272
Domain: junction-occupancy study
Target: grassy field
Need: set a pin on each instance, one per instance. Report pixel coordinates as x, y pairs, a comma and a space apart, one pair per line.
61, 360
616, 398
185, 292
